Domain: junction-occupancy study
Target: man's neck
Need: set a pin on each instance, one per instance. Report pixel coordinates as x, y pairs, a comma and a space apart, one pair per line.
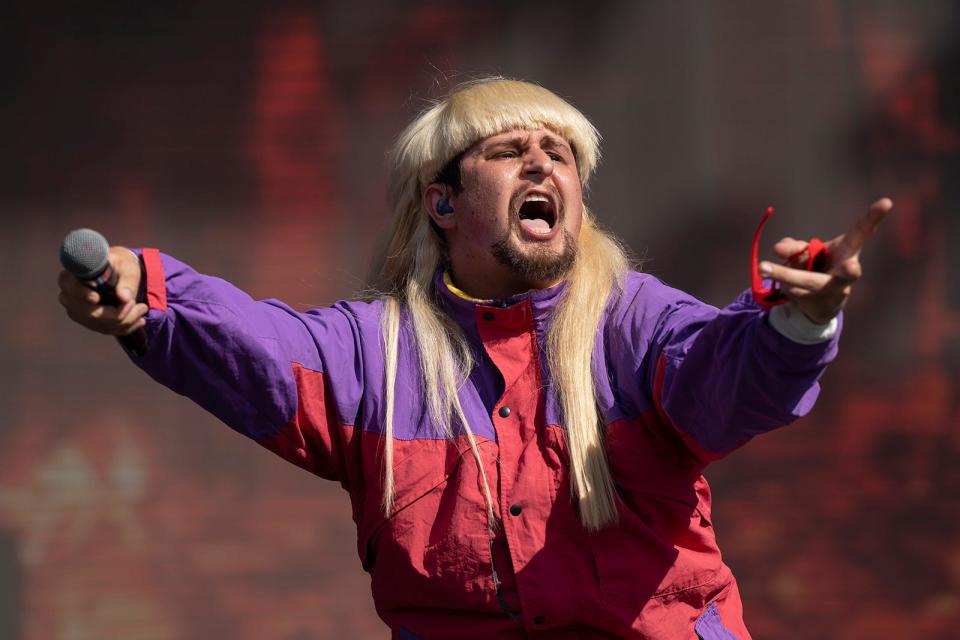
491, 287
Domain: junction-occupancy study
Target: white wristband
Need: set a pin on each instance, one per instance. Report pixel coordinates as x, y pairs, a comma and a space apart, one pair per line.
790, 322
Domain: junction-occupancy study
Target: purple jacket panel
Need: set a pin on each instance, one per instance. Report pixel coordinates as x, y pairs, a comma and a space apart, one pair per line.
233, 355
727, 375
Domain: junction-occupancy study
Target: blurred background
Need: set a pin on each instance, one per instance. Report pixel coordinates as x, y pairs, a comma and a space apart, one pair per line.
248, 139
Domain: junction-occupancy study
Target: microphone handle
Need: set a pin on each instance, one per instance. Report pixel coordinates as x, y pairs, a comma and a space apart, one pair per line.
106, 285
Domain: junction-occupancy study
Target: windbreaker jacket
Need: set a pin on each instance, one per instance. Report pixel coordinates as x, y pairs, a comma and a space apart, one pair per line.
682, 384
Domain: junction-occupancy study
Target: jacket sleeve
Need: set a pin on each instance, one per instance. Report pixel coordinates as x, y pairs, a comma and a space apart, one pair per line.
291, 381
717, 376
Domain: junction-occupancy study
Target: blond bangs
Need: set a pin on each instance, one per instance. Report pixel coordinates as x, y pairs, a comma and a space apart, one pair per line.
488, 107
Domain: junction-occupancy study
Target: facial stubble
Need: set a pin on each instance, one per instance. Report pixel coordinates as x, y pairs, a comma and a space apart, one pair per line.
539, 265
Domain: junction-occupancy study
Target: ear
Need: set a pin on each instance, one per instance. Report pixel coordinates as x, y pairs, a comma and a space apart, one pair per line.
434, 197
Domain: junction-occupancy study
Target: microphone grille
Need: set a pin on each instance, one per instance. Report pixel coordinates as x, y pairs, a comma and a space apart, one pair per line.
84, 253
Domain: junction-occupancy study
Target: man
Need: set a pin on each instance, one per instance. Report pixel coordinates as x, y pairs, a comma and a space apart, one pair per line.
521, 421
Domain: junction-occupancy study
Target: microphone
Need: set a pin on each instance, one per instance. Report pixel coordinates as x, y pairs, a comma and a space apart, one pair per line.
85, 254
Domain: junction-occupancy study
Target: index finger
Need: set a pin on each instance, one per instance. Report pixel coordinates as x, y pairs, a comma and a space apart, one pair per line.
863, 228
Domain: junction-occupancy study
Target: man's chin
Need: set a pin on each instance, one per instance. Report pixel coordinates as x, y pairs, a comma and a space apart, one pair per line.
536, 263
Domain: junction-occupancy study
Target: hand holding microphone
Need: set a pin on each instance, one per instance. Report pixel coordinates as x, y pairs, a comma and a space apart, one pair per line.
99, 285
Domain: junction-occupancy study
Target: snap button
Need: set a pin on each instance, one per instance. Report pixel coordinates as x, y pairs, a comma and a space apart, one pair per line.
488, 315
504, 412
515, 509
539, 620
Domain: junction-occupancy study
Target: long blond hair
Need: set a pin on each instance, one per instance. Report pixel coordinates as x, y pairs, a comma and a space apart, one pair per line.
405, 277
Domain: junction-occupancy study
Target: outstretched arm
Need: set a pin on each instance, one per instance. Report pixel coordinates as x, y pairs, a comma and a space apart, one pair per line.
720, 377
291, 381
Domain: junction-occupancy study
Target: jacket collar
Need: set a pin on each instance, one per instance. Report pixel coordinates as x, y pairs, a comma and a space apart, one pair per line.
536, 305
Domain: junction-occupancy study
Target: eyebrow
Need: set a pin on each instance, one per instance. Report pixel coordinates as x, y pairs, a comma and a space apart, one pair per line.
559, 144
554, 142
547, 142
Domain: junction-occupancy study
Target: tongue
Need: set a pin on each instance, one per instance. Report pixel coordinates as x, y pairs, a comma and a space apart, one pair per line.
538, 226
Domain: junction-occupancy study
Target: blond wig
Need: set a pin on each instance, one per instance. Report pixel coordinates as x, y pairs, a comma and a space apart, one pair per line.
406, 275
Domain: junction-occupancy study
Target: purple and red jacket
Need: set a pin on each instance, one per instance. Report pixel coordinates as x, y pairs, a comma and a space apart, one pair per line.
685, 384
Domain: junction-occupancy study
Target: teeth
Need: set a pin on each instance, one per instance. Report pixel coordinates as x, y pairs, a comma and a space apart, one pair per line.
536, 197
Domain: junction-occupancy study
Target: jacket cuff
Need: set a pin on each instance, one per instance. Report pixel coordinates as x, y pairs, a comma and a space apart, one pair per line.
791, 323
153, 283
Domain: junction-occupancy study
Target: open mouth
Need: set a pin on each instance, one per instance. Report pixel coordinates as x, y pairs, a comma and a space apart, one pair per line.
537, 214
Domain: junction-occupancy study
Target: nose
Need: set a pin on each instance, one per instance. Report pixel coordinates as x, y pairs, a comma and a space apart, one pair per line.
537, 163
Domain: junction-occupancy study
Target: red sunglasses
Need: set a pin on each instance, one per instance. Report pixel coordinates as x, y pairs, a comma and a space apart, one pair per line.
769, 297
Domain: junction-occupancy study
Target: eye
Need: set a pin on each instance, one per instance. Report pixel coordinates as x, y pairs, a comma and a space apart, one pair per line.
556, 157
510, 153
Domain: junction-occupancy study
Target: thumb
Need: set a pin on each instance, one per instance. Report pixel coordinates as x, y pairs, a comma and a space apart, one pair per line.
126, 264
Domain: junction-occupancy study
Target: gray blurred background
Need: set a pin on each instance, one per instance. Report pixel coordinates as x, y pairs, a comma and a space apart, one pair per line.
248, 139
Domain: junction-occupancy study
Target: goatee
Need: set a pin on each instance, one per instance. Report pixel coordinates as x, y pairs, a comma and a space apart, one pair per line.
540, 265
